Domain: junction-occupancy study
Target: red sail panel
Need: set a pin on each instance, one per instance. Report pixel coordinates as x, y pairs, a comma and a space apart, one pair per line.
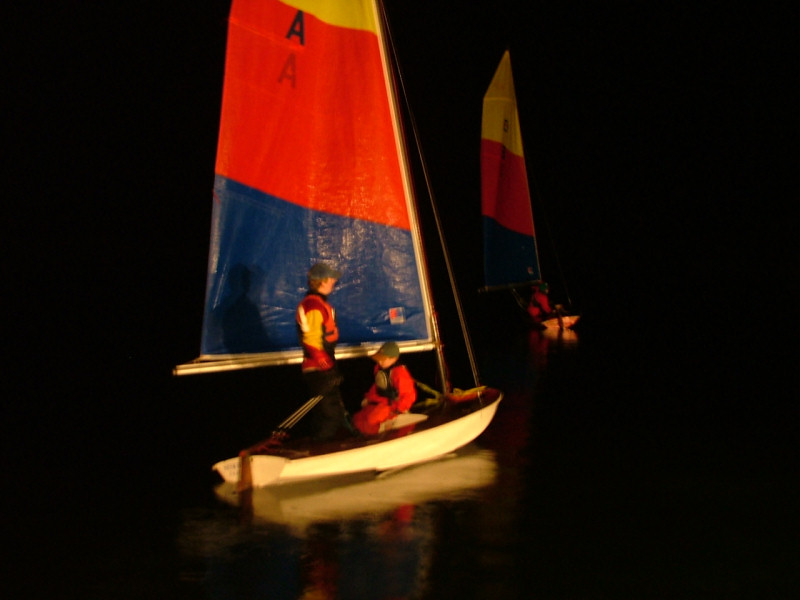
306, 114
504, 188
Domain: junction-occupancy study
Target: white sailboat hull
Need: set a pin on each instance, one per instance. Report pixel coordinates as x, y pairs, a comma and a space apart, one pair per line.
375, 455
457, 474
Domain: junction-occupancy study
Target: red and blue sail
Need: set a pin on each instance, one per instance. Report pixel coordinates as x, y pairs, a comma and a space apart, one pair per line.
510, 253
310, 168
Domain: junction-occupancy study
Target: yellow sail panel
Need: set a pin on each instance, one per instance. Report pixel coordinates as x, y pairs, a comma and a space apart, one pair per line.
500, 116
354, 14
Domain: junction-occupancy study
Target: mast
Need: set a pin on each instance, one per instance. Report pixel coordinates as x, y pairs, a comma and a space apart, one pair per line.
389, 44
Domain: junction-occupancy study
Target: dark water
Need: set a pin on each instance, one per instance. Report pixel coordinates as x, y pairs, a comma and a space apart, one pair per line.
625, 469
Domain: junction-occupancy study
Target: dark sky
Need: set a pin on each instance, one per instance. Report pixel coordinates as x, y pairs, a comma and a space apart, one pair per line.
654, 138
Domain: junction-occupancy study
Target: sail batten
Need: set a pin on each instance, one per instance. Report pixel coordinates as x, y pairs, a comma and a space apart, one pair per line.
310, 168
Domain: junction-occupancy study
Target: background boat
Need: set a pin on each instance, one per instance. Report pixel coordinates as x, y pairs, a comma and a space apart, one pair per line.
510, 252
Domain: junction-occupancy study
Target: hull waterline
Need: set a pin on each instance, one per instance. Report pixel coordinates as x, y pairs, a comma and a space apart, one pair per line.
398, 449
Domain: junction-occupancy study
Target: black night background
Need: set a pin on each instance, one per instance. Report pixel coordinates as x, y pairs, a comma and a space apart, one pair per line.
658, 137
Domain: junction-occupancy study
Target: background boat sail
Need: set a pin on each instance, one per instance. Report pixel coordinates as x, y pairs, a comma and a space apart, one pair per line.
511, 256
311, 167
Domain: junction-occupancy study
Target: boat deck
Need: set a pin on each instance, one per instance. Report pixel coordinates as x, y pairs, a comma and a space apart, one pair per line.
294, 448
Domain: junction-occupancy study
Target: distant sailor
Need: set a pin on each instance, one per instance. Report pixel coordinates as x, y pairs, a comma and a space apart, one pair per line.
539, 305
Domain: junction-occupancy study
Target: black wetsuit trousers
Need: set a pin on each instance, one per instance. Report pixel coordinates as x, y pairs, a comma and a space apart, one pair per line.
329, 416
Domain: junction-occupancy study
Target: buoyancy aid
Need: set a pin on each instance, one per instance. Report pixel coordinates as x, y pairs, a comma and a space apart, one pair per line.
393, 386
318, 333
539, 306
394, 391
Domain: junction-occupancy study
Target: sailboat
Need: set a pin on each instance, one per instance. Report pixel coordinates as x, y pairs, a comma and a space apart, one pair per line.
511, 256
311, 167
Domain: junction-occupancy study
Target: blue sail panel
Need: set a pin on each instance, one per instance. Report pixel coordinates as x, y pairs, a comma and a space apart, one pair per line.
509, 257
261, 250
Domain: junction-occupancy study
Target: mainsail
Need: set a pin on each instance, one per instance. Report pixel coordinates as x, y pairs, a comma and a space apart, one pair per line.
310, 168
510, 253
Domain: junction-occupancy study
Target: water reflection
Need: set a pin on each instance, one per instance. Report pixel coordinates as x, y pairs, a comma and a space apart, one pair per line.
299, 506
361, 536
542, 343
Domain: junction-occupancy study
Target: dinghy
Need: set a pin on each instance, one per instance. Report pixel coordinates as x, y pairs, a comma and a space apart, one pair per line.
511, 257
311, 167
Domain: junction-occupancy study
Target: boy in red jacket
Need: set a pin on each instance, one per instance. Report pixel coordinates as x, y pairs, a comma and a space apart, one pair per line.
393, 391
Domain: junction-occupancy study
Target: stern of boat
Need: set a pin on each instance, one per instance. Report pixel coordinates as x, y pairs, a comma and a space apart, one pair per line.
265, 469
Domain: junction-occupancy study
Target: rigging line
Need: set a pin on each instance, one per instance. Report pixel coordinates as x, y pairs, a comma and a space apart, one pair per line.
533, 183
429, 187
551, 239
518, 298
534, 190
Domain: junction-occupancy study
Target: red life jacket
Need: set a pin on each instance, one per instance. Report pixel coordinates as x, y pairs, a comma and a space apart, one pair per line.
383, 403
322, 357
539, 306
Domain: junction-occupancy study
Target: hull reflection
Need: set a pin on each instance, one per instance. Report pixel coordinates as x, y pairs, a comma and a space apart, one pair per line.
453, 477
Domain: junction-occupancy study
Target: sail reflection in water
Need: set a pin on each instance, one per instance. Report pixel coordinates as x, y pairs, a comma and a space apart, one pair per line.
334, 541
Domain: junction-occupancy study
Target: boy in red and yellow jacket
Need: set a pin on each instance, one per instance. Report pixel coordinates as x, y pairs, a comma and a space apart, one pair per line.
318, 333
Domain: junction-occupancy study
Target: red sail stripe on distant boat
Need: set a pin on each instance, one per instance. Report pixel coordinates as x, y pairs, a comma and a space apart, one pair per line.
318, 77
504, 184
